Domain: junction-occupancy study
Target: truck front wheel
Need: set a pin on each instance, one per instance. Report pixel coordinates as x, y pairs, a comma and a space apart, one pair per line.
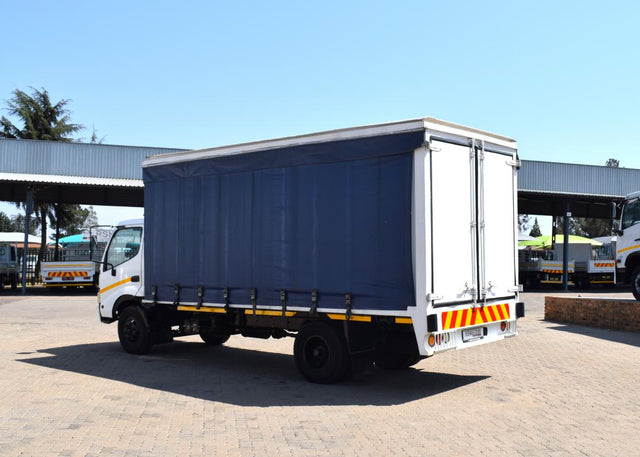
133, 332
321, 353
635, 283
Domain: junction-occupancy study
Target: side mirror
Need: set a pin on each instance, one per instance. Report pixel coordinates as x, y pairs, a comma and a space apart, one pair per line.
614, 210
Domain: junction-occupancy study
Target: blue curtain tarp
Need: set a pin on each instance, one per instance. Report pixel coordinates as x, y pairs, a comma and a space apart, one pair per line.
335, 217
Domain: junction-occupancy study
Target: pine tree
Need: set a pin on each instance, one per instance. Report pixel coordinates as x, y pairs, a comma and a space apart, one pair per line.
535, 230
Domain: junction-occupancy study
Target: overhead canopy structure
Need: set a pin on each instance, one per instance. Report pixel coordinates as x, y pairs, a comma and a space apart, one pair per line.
97, 174
60, 172
551, 188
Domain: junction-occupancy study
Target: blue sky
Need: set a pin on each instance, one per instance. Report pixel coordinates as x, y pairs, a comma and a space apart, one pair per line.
559, 77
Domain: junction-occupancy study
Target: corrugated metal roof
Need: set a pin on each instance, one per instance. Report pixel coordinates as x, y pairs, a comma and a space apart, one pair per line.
74, 180
75, 159
120, 166
575, 179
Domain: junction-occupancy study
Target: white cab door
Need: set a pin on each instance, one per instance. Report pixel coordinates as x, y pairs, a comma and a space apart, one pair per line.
121, 274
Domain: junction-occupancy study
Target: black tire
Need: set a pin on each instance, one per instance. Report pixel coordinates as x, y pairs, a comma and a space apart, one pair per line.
14, 282
635, 283
397, 353
133, 331
212, 338
321, 353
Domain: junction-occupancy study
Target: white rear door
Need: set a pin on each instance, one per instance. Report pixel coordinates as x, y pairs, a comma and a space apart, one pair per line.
454, 239
497, 214
473, 233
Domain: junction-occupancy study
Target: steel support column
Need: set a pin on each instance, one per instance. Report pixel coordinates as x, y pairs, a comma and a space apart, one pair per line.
25, 246
565, 247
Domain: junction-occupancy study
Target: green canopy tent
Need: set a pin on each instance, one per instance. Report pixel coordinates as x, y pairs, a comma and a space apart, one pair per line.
547, 240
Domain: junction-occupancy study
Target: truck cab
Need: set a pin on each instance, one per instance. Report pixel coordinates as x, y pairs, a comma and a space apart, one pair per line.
628, 243
120, 280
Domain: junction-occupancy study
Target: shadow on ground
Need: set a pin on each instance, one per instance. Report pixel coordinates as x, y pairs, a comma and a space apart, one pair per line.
40, 291
616, 336
241, 376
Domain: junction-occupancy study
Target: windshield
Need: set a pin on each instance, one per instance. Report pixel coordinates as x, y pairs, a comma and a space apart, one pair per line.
630, 214
124, 245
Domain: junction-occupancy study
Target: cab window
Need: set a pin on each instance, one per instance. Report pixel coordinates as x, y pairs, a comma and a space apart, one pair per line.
124, 246
631, 214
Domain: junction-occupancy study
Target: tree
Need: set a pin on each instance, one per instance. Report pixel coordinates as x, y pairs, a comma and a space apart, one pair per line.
17, 224
613, 163
535, 230
5, 223
41, 120
523, 222
71, 219
587, 227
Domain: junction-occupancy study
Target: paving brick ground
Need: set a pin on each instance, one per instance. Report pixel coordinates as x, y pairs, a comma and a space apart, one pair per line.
67, 389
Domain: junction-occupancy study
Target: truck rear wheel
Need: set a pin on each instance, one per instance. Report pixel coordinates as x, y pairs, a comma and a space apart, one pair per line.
635, 283
397, 352
321, 353
133, 332
212, 338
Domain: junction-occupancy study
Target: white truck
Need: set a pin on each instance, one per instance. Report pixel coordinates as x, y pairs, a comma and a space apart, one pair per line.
8, 266
628, 243
380, 244
587, 266
75, 267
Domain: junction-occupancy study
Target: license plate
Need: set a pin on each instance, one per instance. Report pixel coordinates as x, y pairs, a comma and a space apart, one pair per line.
472, 334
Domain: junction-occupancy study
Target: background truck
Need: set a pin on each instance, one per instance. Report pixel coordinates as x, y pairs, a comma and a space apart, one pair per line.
385, 243
8, 266
74, 266
587, 266
628, 243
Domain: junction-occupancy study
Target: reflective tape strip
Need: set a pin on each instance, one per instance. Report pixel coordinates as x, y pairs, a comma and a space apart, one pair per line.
68, 274
343, 317
629, 248
605, 264
114, 285
265, 312
204, 309
474, 316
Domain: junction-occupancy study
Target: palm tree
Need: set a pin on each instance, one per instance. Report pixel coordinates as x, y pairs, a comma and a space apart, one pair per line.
41, 120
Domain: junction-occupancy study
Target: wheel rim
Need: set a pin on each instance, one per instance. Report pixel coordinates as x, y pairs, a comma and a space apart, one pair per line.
131, 330
316, 351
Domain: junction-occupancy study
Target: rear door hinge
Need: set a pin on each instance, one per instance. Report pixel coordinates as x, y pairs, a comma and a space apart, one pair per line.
514, 163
